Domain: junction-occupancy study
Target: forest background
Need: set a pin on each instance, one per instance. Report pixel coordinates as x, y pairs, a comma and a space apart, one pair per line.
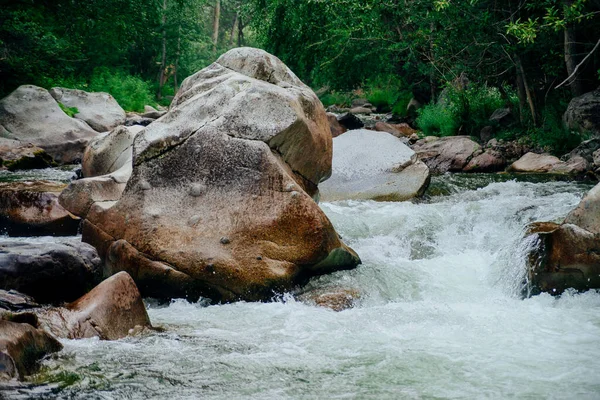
459, 59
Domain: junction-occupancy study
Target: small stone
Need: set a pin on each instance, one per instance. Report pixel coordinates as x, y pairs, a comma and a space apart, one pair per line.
259, 258
145, 185
194, 220
295, 194
197, 189
225, 240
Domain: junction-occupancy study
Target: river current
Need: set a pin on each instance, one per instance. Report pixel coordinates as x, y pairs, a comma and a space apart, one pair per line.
441, 315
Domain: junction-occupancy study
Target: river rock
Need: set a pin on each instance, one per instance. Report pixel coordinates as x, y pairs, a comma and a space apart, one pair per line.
23, 156
488, 161
106, 166
12, 300
583, 113
100, 110
336, 299
398, 130
350, 121
360, 110
336, 128
219, 202
586, 149
446, 154
31, 115
568, 255
546, 163
21, 347
32, 209
111, 311
49, 272
373, 165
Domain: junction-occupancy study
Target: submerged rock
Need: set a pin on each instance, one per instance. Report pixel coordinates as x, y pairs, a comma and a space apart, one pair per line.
32, 209
239, 155
446, 154
373, 165
21, 347
111, 311
49, 272
99, 110
31, 115
336, 299
568, 255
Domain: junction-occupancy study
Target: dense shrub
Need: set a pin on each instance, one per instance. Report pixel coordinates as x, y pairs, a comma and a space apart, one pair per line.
131, 92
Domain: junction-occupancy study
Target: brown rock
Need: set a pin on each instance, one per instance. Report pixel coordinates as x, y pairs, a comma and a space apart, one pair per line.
21, 347
398, 130
446, 154
489, 161
336, 128
360, 110
587, 214
545, 163
238, 155
32, 209
110, 311
337, 299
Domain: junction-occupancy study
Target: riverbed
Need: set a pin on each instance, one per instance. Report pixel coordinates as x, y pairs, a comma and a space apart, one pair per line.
441, 314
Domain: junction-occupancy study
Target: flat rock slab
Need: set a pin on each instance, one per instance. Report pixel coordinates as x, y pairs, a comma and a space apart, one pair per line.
373, 165
32, 209
49, 272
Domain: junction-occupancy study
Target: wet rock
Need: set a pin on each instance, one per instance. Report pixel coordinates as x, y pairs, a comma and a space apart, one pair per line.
49, 272
110, 311
446, 154
32, 209
336, 128
336, 299
106, 166
100, 110
246, 128
373, 165
25, 156
568, 255
350, 121
546, 163
21, 347
488, 161
31, 115
398, 130
583, 113
12, 300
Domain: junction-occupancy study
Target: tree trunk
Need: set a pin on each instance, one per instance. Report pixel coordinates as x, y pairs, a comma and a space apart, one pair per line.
217, 17
570, 55
233, 29
163, 60
240, 40
175, 83
525, 87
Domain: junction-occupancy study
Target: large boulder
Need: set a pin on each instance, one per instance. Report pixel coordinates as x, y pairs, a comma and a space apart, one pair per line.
111, 311
373, 165
106, 167
21, 347
32, 209
446, 154
583, 113
31, 115
100, 110
219, 202
568, 255
50, 272
546, 163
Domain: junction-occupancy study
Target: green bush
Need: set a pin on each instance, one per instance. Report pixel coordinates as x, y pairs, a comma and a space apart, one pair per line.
437, 120
341, 99
131, 92
553, 136
70, 111
384, 92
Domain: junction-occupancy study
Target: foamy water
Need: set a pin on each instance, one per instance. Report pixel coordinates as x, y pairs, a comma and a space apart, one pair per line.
440, 316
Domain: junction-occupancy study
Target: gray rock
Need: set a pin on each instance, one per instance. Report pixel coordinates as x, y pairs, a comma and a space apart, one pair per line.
583, 113
100, 110
49, 272
373, 165
31, 115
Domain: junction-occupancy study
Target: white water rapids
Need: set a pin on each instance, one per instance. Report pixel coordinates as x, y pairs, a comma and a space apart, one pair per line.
440, 316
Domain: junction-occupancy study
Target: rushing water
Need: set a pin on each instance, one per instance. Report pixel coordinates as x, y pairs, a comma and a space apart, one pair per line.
440, 316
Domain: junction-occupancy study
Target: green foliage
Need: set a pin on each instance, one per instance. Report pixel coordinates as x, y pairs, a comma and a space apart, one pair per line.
70, 111
552, 135
460, 111
131, 92
341, 99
